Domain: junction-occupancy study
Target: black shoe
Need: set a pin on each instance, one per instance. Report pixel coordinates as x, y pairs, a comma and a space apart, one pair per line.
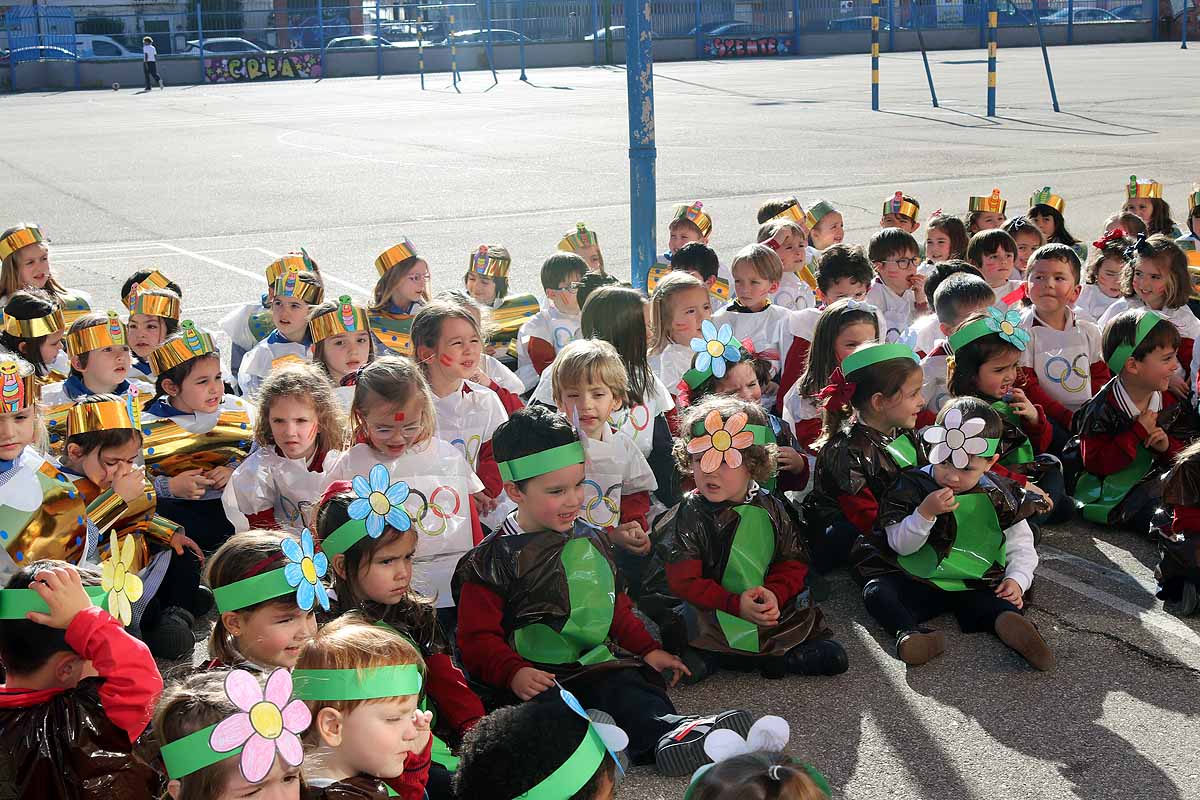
697, 664
821, 657
681, 751
819, 587
1187, 603
773, 668
202, 602
172, 638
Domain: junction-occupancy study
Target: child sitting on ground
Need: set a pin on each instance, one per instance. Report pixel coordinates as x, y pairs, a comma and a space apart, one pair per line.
294, 295
402, 288
789, 240
825, 225
756, 274
985, 213
543, 335
954, 299
701, 262
900, 211
994, 253
1177, 530
678, 306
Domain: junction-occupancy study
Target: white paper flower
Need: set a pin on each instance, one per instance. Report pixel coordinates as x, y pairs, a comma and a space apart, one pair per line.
956, 439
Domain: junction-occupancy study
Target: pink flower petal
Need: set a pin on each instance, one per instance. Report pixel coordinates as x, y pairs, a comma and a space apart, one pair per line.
733, 458
290, 748
242, 689
296, 717
231, 733
258, 756
712, 422
699, 445
279, 688
710, 462
736, 423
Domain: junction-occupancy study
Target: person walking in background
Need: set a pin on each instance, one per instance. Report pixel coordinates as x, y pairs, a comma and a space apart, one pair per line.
150, 62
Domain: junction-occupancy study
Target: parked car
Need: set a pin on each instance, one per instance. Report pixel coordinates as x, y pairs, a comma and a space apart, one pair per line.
856, 24
41, 53
499, 36
730, 27
1135, 11
618, 34
1080, 15
92, 46
369, 40
222, 45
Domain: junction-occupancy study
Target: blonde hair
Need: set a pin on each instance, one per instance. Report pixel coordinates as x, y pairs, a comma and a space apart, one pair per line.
9, 279
312, 384
763, 259
325, 309
759, 459
387, 284
661, 313
774, 227
589, 360
189, 705
393, 380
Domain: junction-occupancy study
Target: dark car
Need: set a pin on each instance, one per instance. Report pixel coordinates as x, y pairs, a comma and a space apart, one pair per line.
729, 27
856, 24
1135, 11
1080, 15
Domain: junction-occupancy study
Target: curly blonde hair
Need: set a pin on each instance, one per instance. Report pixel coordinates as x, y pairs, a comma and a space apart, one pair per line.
310, 383
760, 459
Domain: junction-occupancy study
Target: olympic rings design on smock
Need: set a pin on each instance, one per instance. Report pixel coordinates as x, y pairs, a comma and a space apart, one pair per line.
602, 499
1069, 371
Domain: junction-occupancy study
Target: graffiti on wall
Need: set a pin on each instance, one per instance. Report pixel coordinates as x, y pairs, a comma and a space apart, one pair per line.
725, 47
262, 67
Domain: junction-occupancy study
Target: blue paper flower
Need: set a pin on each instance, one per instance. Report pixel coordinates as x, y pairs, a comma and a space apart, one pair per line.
715, 349
1008, 324
378, 503
304, 570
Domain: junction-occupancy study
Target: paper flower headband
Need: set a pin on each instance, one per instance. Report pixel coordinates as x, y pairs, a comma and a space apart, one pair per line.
722, 440
300, 574
714, 352
378, 504
580, 766
957, 440
769, 734
1004, 322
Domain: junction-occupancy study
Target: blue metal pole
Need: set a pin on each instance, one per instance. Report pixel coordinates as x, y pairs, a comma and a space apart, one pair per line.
421, 48
596, 33
1045, 55
453, 57
639, 73
521, 11
321, 33
992, 20
983, 6
891, 26
378, 46
1070, 21
1149, 8
698, 35
924, 57
796, 27
874, 55
200, 36
1183, 27
487, 10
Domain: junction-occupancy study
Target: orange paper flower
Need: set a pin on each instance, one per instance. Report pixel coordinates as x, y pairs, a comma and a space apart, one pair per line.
723, 440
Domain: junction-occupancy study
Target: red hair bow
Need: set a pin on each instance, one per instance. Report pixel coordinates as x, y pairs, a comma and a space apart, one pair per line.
334, 489
839, 392
1115, 235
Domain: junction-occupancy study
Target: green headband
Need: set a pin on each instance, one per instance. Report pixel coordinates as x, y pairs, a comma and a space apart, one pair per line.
16, 603
249, 591
531, 466
876, 353
192, 753
761, 434
1002, 321
573, 773
1116, 361
400, 680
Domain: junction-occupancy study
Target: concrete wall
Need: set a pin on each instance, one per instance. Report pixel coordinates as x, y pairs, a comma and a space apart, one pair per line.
182, 70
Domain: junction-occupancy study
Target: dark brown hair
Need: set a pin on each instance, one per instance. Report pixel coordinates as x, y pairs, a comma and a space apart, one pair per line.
883, 377
759, 459
1163, 249
954, 228
963, 368
985, 243
1122, 329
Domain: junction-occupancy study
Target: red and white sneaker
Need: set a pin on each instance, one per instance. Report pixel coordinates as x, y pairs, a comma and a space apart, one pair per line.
681, 751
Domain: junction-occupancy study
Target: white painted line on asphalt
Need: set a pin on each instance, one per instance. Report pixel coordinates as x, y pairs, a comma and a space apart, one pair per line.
1112, 573
254, 276
325, 276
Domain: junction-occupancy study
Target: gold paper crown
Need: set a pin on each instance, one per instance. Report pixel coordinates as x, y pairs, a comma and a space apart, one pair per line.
793, 212
105, 415
110, 333
576, 240
290, 285
300, 262
1147, 188
17, 392
191, 343
896, 204
817, 212
18, 239
153, 303
1193, 201
348, 318
488, 264
394, 255
693, 213
155, 280
992, 202
1044, 197
33, 328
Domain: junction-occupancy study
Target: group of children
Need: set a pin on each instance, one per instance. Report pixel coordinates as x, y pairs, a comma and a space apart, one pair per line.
463, 544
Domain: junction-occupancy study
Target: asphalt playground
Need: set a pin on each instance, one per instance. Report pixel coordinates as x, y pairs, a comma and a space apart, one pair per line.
209, 184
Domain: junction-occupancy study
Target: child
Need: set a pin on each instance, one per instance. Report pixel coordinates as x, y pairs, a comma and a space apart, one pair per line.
789, 240
985, 213
34, 330
825, 226
900, 211
678, 306
487, 282
762, 774
264, 620
449, 347
341, 343
249, 324
952, 536
756, 274
1193, 227
924, 333
373, 576
193, 709
25, 264
492, 372
293, 296
994, 253
299, 433
1102, 275
78, 692
945, 238
780, 208
585, 244
1156, 277
689, 223
1063, 364
877, 390
1178, 570
1145, 198
368, 738
44, 517
1046, 212
1134, 428
897, 291
543, 335
195, 434
841, 328
1128, 221
701, 262
103, 446
394, 424
402, 288
954, 299
1028, 238
528, 630
756, 611
153, 316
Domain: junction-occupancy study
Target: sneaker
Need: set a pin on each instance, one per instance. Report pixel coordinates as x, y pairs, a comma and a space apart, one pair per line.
1022, 635
773, 668
1186, 605
920, 646
820, 657
172, 638
681, 751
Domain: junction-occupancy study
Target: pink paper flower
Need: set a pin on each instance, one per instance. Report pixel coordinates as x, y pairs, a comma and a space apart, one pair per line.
269, 721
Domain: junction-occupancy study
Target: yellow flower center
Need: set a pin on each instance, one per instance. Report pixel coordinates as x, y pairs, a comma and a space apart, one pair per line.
119, 577
715, 348
380, 504
722, 440
309, 570
266, 719
1007, 328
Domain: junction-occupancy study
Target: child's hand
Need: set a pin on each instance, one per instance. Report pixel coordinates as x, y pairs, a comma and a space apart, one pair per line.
528, 683
1022, 407
790, 460
1148, 420
484, 504
180, 541
662, 661
1033, 487
62, 589
190, 484
1158, 440
759, 605
219, 476
1010, 590
937, 502
422, 720
917, 283
130, 482
1178, 387
630, 536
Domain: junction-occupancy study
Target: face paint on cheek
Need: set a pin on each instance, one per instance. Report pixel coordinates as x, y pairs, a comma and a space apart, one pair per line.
446, 359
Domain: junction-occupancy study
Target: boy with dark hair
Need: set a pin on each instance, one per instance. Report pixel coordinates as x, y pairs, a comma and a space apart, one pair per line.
957, 297
79, 692
541, 604
545, 333
900, 211
924, 332
701, 262
898, 291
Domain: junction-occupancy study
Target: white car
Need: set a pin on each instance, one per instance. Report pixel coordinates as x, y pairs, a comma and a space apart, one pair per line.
89, 46
224, 44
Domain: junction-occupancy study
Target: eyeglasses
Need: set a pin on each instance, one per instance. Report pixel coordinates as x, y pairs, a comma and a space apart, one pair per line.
571, 288
903, 263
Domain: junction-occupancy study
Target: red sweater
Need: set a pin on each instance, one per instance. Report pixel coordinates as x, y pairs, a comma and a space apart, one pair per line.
793, 367
511, 402
410, 784
541, 353
635, 507
448, 687
1109, 454
785, 579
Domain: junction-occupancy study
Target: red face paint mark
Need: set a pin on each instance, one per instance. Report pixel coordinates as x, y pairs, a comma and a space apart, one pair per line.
446, 360
399, 416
